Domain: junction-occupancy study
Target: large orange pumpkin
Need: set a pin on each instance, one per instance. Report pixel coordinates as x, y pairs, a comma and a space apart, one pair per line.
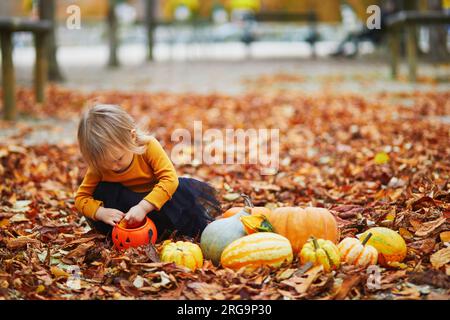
299, 224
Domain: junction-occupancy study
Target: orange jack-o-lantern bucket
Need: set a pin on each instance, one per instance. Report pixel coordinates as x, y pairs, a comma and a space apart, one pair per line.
124, 238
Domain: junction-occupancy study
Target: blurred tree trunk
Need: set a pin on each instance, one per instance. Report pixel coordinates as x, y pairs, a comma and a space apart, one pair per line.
150, 24
438, 35
412, 5
112, 34
47, 12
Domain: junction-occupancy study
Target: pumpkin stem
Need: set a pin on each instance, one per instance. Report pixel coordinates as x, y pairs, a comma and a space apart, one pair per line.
367, 238
247, 200
315, 243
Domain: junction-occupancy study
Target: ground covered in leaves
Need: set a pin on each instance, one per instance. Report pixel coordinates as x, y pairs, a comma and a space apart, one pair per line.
372, 162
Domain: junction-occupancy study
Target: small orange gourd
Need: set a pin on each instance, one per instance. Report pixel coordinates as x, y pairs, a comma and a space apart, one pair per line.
358, 253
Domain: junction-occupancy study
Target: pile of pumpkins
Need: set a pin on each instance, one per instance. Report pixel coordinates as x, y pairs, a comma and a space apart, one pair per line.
249, 237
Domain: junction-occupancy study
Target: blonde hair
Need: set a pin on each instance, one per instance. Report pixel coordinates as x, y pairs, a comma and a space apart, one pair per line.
105, 126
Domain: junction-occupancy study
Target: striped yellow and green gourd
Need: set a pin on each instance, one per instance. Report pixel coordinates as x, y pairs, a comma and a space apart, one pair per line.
390, 245
256, 250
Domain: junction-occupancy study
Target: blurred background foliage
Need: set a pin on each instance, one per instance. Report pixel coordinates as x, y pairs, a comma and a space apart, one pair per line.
326, 10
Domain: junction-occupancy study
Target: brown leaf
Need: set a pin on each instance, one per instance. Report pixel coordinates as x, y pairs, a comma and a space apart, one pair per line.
20, 242
284, 274
80, 251
129, 289
406, 293
206, 290
425, 246
152, 253
348, 211
437, 296
262, 185
83, 240
440, 258
302, 283
324, 284
391, 279
428, 227
405, 233
347, 285
422, 202
431, 277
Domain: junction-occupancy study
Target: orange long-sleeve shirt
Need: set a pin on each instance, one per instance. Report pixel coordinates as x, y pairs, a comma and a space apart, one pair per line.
151, 172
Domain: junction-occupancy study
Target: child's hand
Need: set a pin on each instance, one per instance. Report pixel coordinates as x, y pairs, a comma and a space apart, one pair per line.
109, 216
135, 215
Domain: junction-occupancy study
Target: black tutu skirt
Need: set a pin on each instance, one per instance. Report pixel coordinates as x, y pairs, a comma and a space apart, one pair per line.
188, 212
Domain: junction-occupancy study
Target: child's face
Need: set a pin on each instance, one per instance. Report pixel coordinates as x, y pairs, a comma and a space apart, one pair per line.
119, 161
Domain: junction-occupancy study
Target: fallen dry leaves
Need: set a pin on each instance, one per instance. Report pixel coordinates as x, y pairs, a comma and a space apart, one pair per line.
372, 163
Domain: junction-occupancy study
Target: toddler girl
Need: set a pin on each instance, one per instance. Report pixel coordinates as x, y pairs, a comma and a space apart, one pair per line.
130, 177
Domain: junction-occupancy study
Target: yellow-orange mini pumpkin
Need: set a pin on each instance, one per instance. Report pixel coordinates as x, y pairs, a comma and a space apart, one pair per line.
299, 224
182, 253
321, 252
124, 238
356, 253
256, 223
390, 245
257, 249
